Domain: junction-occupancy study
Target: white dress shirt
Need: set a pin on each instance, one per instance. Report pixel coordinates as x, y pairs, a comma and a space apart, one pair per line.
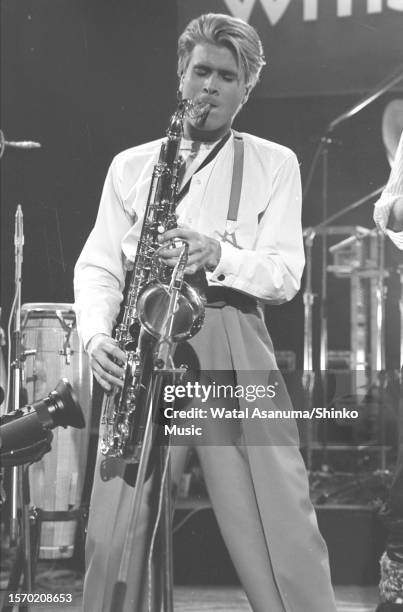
392, 192
261, 253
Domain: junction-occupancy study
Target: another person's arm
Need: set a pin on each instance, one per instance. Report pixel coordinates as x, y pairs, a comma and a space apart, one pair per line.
396, 217
388, 212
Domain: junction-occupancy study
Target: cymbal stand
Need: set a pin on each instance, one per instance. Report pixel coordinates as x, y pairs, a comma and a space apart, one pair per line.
323, 306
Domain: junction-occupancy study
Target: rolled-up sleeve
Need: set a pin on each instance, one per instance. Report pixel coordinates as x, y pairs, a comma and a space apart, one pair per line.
100, 270
272, 270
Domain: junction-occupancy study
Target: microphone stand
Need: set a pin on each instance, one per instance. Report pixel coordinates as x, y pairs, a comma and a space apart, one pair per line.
19, 525
308, 374
16, 353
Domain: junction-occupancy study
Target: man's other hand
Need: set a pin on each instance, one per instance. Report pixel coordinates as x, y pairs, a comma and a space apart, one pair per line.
107, 361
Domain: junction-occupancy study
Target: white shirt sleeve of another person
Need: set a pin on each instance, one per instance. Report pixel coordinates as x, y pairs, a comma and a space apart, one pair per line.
100, 271
272, 270
392, 192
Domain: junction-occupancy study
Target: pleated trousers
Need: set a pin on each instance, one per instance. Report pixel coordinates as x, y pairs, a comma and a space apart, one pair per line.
256, 481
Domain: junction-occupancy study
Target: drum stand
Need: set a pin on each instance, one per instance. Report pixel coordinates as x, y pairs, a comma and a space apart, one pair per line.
322, 153
310, 234
28, 543
24, 564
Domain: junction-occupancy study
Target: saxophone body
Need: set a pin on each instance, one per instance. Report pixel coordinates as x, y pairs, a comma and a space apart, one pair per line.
160, 309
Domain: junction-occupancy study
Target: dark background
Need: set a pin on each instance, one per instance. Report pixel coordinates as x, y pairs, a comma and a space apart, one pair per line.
90, 78
331, 51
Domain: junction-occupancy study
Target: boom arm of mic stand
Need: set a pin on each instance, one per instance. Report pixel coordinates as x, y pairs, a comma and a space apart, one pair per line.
326, 222
382, 88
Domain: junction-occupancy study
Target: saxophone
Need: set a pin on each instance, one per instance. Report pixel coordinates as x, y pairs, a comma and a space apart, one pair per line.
160, 309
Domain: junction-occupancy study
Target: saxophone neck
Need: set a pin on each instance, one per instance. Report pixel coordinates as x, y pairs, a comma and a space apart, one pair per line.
175, 127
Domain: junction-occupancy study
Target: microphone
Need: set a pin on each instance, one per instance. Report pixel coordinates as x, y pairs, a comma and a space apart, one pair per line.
18, 243
22, 144
18, 229
17, 144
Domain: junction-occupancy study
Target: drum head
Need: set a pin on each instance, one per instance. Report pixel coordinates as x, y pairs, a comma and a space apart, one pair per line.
44, 310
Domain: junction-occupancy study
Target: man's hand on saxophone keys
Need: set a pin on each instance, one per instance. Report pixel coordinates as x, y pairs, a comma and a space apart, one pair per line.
204, 252
107, 361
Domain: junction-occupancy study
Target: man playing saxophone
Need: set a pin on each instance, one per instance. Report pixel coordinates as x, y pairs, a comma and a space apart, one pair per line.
251, 250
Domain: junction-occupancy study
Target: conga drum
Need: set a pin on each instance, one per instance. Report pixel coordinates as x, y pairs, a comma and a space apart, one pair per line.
56, 481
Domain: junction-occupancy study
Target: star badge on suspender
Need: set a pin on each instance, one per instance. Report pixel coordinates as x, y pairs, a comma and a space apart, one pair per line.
229, 235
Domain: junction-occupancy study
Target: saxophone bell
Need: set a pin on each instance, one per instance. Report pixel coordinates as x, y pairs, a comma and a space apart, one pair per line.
175, 310
153, 303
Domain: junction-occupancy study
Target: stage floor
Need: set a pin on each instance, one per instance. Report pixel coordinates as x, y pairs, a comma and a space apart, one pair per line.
232, 599
64, 577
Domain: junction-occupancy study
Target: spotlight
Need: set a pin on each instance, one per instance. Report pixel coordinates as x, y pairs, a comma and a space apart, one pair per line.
25, 434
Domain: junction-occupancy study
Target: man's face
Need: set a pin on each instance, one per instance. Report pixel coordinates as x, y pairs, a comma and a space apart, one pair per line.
214, 78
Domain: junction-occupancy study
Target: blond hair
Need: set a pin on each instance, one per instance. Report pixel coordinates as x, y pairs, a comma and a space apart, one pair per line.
231, 32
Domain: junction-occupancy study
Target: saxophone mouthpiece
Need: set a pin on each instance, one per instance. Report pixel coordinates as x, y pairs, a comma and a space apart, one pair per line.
200, 111
195, 109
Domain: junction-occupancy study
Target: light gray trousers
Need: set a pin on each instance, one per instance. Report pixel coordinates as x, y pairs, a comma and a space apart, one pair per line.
257, 485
